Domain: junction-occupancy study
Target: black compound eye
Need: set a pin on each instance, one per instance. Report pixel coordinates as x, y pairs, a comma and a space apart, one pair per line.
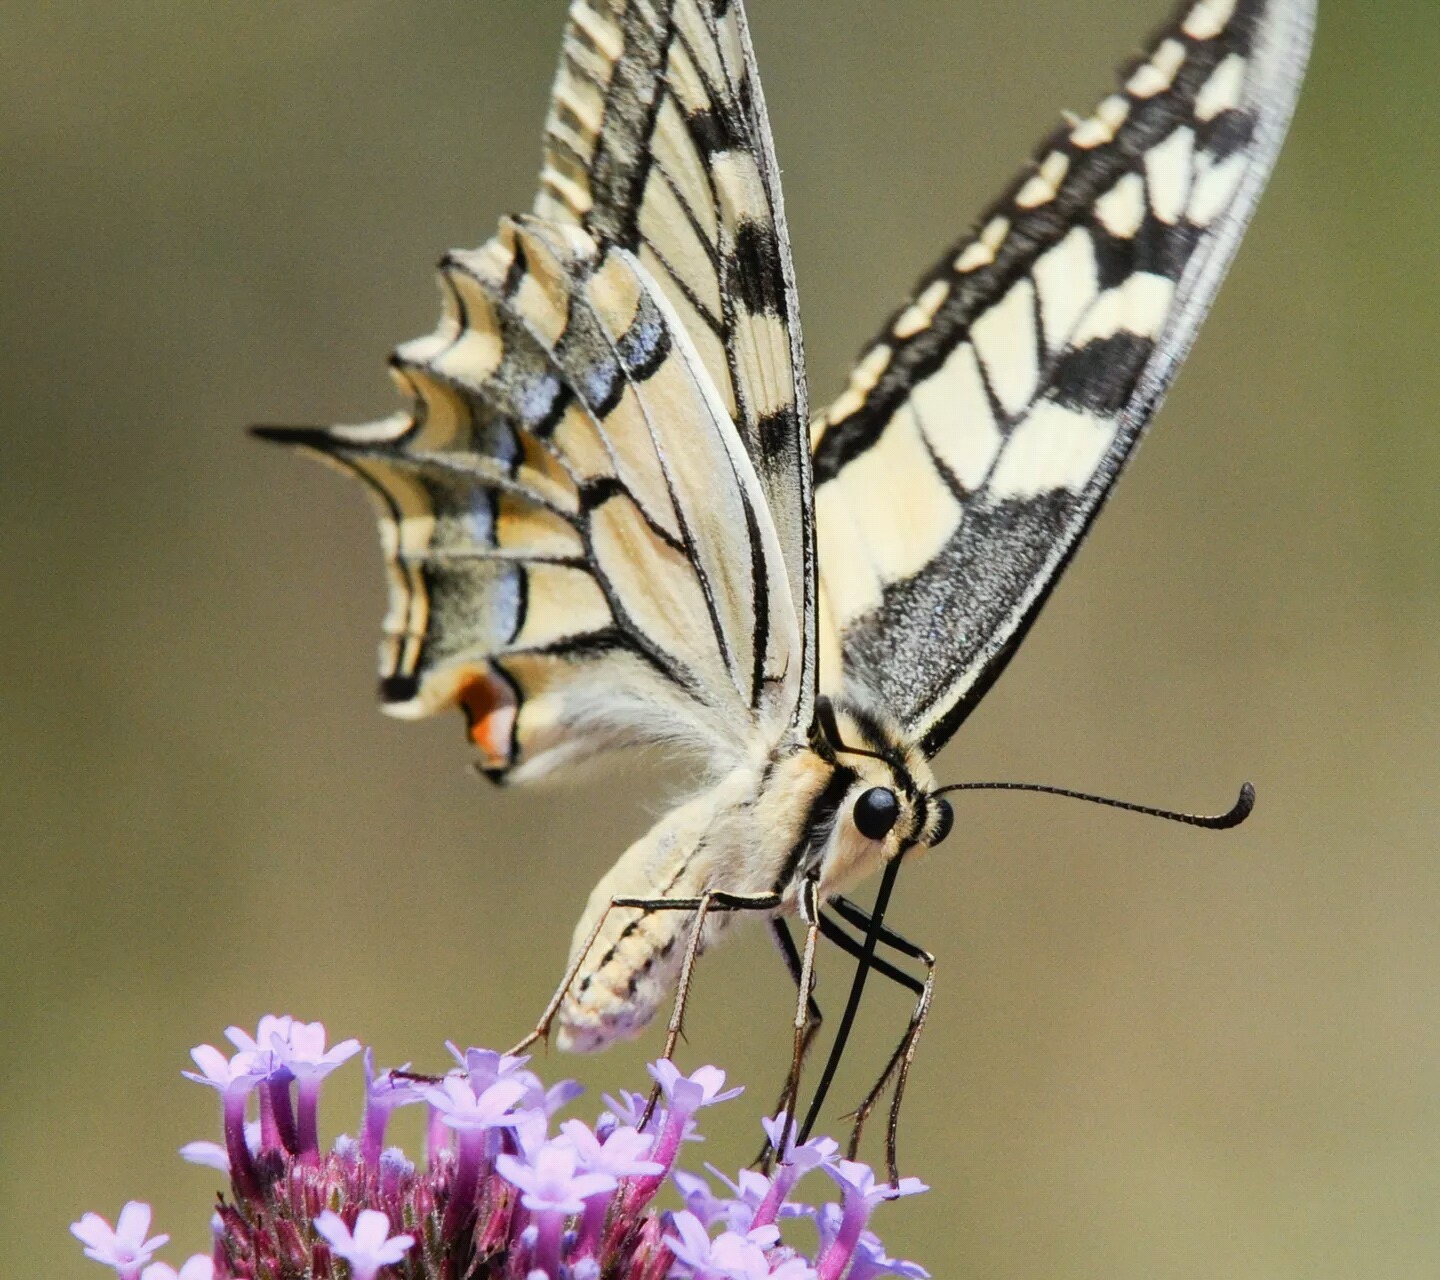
944, 821
876, 812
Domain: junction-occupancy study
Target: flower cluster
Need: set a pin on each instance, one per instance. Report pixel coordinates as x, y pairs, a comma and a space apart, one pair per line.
499, 1194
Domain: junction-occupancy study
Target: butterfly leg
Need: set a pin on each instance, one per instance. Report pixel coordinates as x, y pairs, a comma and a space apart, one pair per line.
808, 1018
542, 1026
866, 960
898, 1067
701, 906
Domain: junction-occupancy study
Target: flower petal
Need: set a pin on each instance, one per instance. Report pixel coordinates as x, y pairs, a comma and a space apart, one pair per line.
332, 1226
209, 1155
92, 1230
133, 1222
372, 1229
212, 1063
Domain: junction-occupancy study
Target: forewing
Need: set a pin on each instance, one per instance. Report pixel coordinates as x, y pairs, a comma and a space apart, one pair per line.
578, 552
657, 140
983, 429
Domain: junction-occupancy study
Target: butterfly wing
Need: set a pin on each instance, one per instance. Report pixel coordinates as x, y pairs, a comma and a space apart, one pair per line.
578, 549
597, 518
658, 141
983, 429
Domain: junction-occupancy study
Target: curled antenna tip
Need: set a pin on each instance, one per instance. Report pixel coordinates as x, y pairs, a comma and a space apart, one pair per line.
1242, 808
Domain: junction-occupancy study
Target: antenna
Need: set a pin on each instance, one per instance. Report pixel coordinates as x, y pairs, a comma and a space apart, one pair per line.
1233, 817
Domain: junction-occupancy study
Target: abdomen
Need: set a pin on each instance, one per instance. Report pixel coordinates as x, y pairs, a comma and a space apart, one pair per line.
630, 969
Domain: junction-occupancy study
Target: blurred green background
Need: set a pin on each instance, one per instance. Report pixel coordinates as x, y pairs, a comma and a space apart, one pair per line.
1155, 1052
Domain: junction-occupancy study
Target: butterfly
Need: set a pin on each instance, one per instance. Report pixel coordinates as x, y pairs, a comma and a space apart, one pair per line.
609, 518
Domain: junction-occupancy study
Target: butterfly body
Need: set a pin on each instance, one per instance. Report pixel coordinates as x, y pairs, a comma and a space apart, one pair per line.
608, 518
766, 829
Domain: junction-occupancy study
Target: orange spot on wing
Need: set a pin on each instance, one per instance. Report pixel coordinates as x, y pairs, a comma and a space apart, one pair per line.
490, 708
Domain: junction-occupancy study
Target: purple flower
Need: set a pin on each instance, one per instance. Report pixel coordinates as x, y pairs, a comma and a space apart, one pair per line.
623, 1154
199, 1267
871, 1260
277, 1114
304, 1051
241, 1071
795, 1162
473, 1116
861, 1194
686, 1094
290, 1050
551, 1184
270, 1027
749, 1190
629, 1108
233, 1078
855, 1177
701, 1088
692, 1245
804, 1156
465, 1110
699, 1199
369, 1247
732, 1255
383, 1093
486, 1067
122, 1246
552, 1190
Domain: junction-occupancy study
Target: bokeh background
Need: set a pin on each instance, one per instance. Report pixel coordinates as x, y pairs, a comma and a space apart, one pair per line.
1155, 1052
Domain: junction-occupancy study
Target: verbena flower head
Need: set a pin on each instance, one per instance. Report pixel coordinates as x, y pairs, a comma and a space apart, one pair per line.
498, 1195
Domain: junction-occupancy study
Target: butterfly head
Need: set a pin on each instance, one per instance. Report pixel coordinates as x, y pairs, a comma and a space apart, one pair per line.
890, 805
876, 801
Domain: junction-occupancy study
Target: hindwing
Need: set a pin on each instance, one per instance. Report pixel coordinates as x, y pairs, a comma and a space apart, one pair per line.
984, 427
578, 549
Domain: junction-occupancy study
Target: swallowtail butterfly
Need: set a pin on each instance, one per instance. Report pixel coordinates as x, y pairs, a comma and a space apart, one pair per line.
609, 517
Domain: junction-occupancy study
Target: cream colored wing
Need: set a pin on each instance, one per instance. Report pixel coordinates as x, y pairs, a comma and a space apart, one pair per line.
578, 549
983, 429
